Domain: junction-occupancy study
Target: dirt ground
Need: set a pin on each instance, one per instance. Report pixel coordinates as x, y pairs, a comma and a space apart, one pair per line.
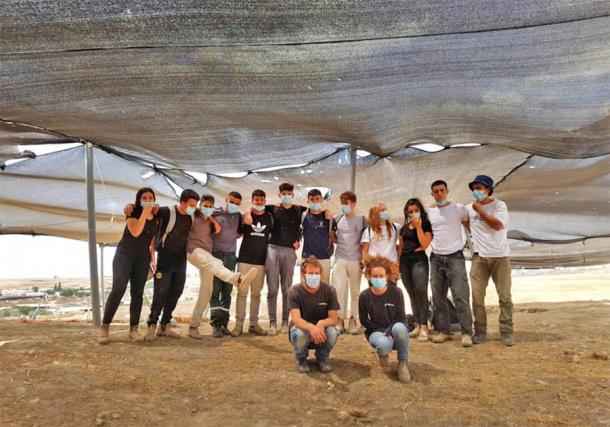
54, 374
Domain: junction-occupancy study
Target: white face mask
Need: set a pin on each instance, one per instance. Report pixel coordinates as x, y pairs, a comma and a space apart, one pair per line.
414, 215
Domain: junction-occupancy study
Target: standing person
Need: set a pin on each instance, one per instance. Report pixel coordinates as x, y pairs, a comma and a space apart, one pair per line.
252, 255
135, 255
447, 264
488, 222
313, 307
347, 271
381, 236
317, 229
199, 253
224, 248
382, 313
175, 226
415, 237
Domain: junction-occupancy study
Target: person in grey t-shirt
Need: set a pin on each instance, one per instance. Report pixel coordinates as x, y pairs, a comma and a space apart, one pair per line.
347, 270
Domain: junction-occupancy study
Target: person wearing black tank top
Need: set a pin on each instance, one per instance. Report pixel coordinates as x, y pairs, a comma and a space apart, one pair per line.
135, 254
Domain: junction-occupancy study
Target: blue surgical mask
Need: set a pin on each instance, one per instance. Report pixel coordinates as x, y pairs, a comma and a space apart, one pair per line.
259, 208
442, 202
207, 211
346, 209
312, 280
379, 282
478, 195
315, 206
384, 215
190, 210
232, 208
286, 199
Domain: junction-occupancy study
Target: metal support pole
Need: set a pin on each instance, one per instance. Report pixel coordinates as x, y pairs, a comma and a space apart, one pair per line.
102, 276
353, 159
93, 278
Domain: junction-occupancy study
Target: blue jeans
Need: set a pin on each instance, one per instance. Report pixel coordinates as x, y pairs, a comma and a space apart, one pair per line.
398, 339
301, 343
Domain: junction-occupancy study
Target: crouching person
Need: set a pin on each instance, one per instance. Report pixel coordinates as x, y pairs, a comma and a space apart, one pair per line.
382, 313
313, 307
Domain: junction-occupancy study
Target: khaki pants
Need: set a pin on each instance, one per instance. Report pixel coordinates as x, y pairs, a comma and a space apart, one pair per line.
347, 275
255, 294
325, 277
209, 267
499, 270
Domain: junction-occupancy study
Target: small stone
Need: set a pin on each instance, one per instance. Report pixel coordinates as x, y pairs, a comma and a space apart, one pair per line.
575, 358
600, 355
115, 416
34, 401
358, 413
100, 421
569, 352
542, 382
342, 415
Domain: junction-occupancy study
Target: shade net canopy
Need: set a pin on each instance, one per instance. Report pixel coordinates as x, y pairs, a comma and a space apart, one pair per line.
186, 90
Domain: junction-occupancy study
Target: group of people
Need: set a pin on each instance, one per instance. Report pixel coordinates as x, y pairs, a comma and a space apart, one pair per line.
159, 241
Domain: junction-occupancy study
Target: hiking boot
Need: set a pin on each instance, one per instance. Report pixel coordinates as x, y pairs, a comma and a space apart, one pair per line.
194, 333
404, 376
340, 327
256, 330
167, 331
479, 338
353, 327
134, 334
466, 340
423, 334
324, 365
284, 329
150, 333
415, 332
237, 330
246, 280
508, 339
104, 339
225, 330
217, 332
384, 362
272, 331
441, 337
303, 366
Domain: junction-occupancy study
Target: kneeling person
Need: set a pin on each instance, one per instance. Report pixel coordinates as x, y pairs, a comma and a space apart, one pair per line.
313, 307
382, 313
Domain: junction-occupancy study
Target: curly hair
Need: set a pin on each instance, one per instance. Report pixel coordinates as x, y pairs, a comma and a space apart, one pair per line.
311, 260
390, 267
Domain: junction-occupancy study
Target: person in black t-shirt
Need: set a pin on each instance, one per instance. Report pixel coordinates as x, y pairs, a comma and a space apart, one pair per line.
382, 313
313, 307
134, 255
415, 237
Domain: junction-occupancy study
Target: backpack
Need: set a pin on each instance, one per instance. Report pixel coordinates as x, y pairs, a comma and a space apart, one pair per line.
171, 222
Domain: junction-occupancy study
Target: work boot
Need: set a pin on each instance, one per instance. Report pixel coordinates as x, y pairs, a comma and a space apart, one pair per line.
415, 332
237, 330
272, 331
479, 338
466, 340
150, 333
441, 337
508, 339
423, 334
404, 376
339, 326
194, 333
257, 330
104, 339
384, 362
284, 327
217, 331
353, 327
166, 331
134, 334
303, 366
225, 330
324, 365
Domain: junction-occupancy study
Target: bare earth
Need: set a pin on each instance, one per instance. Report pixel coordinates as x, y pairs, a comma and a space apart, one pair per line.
55, 374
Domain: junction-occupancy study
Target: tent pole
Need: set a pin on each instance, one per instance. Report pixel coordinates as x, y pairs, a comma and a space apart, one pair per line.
353, 159
93, 278
102, 276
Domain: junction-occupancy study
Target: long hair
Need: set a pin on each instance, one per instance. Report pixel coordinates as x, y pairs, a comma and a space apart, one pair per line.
423, 215
375, 222
390, 267
141, 191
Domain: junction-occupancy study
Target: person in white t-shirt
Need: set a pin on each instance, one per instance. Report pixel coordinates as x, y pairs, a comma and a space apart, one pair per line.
488, 223
447, 265
380, 238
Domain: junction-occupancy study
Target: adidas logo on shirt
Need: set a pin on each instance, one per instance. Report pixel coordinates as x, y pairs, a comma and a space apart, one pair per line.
258, 230
389, 304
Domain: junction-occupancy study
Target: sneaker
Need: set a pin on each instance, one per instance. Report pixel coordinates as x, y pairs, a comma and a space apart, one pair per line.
353, 327
479, 338
340, 327
104, 339
150, 333
324, 365
217, 332
466, 340
237, 330
170, 333
225, 330
135, 335
404, 376
194, 333
441, 337
272, 331
284, 329
423, 334
384, 362
508, 339
303, 366
415, 332
257, 330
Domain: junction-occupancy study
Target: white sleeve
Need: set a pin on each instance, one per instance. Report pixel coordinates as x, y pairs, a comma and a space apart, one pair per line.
501, 213
463, 211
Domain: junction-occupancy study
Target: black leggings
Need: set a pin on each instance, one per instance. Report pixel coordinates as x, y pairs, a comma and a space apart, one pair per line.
414, 271
132, 269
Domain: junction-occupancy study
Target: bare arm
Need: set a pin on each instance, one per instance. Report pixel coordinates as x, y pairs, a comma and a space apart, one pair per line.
316, 332
136, 226
365, 251
331, 320
401, 243
248, 217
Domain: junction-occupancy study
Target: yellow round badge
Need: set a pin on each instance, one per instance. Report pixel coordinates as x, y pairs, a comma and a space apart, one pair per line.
159, 275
